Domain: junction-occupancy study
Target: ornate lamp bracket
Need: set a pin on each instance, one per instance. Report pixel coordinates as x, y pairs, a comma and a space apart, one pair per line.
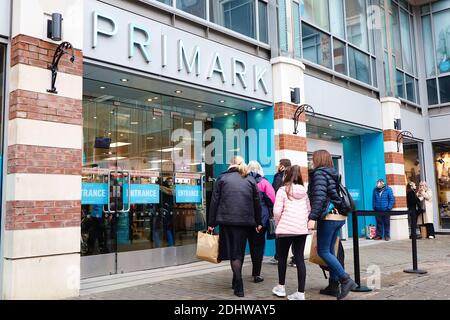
302, 108
63, 48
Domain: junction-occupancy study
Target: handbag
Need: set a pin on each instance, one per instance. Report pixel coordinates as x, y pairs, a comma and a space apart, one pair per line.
208, 247
314, 256
271, 229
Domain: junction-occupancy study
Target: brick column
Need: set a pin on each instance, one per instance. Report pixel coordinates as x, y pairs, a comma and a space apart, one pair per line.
289, 73
43, 184
394, 164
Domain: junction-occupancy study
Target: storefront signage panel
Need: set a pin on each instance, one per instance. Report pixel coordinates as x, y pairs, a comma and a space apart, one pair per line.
188, 194
94, 193
142, 193
122, 38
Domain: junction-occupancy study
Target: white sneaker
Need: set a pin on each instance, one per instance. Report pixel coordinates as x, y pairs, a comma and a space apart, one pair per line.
297, 296
431, 237
273, 261
279, 291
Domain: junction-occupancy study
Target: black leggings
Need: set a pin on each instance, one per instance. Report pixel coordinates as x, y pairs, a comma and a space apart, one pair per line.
298, 246
257, 242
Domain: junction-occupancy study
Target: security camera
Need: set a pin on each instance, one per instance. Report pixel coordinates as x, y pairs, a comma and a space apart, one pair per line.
54, 27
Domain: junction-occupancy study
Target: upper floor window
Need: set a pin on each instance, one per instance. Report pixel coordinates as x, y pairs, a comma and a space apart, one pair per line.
247, 17
436, 43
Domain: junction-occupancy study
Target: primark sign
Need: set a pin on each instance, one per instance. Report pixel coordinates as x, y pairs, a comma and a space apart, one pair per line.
122, 38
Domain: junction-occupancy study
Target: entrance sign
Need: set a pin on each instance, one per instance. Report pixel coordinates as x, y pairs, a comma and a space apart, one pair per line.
94, 193
142, 193
123, 38
188, 193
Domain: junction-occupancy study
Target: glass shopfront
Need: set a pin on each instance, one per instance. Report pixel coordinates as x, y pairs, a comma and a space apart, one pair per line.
141, 209
413, 155
442, 164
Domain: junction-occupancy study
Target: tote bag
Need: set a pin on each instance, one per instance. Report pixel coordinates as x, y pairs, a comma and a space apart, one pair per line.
313, 256
208, 247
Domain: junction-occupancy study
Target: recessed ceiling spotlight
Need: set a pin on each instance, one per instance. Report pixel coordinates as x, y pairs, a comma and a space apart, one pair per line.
222, 101
112, 112
95, 117
178, 91
134, 122
234, 115
330, 125
225, 114
199, 106
149, 100
102, 87
325, 133
121, 134
254, 108
155, 98
150, 138
109, 133
124, 79
342, 137
261, 109
154, 118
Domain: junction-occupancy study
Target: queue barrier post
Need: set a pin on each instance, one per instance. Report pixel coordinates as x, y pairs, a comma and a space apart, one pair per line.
415, 268
355, 230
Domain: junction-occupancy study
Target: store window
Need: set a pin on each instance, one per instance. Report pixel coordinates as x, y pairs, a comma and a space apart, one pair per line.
194, 7
412, 152
335, 35
442, 164
168, 2
436, 42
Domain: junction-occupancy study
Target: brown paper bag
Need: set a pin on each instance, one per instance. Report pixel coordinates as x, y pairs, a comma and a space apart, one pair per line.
208, 247
423, 232
313, 256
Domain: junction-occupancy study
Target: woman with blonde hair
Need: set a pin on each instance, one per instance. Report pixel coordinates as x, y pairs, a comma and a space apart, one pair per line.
257, 240
236, 209
426, 209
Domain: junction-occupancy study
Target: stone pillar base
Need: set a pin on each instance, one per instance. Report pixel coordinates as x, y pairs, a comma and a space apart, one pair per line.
399, 228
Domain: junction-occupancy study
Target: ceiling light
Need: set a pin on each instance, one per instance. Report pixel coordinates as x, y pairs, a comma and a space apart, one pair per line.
225, 114
134, 122
149, 99
169, 149
115, 158
124, 79
109, 133
118, 144
150, 138
155, 98
234, 115
154, 118
306, 120
121, 134
178, 91
199, 106
261, 109
95, 117
222, 101
325, 133
254, 108
102, 87
158, 161
111, 112
188, 123
330, 125
342, 137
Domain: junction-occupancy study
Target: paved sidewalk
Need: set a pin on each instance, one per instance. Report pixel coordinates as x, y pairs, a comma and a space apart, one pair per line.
387, 258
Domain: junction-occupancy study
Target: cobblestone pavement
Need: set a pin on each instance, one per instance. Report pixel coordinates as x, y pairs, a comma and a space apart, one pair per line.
388, 258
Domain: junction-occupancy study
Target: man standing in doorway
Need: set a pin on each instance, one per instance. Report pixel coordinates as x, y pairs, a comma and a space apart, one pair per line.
383, 200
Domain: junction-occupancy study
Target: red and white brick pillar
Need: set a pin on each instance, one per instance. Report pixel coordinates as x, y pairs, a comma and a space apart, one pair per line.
43, 184
289, 73
395, 168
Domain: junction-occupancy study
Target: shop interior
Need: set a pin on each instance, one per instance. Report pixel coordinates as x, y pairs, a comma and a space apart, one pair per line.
442, 164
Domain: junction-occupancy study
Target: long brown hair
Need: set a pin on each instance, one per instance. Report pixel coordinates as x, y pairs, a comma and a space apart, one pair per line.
293, 176
322, 158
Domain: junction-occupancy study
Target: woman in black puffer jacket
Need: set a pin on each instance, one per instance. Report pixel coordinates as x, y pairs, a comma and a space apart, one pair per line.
325, 204
235, 207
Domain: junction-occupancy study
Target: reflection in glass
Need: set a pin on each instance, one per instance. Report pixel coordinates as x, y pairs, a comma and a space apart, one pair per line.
340, 58
337, 26
400, 84
396, 36
316, 46
442, 164
359, 65
444, 88
410, 94
428, 46
195, 7
296, 23
441, 21
432, 92
356, 19
168, 2
263, 23
237, 15
316, 12
406, 42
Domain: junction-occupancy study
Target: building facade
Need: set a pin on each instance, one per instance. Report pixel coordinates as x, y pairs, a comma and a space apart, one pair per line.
93, 182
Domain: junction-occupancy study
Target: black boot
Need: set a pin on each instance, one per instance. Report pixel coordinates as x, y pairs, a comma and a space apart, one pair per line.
347, 284
239, 288
332, 289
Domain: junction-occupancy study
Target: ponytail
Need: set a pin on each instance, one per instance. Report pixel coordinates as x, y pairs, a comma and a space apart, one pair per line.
238, 163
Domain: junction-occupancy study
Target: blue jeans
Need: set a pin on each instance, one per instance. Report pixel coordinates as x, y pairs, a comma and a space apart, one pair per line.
327, 232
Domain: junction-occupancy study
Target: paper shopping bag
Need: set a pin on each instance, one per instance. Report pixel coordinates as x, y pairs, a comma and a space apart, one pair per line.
208, 247
313, 256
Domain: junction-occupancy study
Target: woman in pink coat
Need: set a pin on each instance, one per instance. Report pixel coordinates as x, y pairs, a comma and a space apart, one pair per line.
291, 211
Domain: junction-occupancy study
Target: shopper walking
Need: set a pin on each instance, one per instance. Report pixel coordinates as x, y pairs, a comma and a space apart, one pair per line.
325, 204
277, 184
383, 200
257, 240
412, 202
426, 205
236, 209
291, 211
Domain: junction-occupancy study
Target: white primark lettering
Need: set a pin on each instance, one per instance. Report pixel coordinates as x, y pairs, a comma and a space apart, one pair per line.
189, 56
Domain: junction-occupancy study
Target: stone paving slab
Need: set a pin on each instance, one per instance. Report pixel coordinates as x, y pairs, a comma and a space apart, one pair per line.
387, 258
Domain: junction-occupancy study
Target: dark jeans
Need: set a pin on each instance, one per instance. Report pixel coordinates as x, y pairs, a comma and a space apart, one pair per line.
430, 229
383, 223
327, 233
298, 247
257, 243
